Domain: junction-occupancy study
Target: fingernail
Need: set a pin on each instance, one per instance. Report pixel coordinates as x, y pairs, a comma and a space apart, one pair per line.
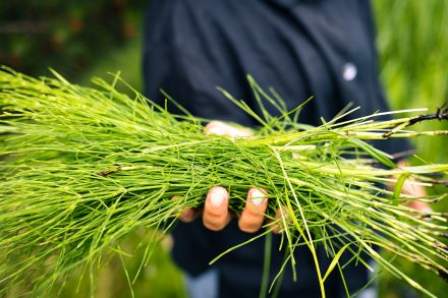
215, 128
217, 196
257, 197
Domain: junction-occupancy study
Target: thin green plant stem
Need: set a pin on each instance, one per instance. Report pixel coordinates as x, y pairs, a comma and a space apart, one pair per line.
266, 266
81, 168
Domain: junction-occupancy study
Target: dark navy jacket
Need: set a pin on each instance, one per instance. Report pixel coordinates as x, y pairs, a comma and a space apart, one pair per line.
301, 48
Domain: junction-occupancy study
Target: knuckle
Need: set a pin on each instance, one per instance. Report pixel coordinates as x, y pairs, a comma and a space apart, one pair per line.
215, 213
256, 211
249, 227
250, 223
214, 225
254, 214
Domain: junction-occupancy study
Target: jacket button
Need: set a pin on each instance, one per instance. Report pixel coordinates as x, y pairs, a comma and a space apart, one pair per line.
349, 71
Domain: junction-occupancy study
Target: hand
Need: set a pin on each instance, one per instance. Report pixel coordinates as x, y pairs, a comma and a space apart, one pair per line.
412, 188
216, 215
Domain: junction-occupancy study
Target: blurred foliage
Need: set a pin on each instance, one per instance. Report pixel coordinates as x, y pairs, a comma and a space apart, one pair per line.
82, 39
158, 278
114, 274
67, 35
125, 60
413, 46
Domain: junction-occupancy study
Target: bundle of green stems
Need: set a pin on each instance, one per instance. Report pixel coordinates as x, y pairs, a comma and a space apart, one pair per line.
80, 168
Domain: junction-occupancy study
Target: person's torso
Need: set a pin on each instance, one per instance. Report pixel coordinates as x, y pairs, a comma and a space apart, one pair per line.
300, 48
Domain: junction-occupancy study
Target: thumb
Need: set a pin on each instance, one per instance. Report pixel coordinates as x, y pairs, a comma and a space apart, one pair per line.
223, 129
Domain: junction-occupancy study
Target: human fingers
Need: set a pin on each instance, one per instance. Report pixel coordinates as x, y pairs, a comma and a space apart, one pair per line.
420, 206
216, 214
415, 189
281, 216
186, 215
223, 129
252, 216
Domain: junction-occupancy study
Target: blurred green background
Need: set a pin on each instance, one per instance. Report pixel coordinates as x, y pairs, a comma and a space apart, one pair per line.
82, 39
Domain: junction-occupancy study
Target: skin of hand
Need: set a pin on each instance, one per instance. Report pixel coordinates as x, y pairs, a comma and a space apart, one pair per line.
412, 188
216, 215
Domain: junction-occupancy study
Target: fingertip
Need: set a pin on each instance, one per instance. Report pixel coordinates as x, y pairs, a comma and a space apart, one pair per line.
187, 215
257, 196
223, 129
216, 214
215, 128
217, 197
252, 217
278, 225
249, 226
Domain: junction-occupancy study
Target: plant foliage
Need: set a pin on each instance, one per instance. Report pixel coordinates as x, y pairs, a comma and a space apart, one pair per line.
83, 167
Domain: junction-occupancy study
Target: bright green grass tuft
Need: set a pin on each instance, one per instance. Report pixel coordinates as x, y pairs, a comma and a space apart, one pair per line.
82, 168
